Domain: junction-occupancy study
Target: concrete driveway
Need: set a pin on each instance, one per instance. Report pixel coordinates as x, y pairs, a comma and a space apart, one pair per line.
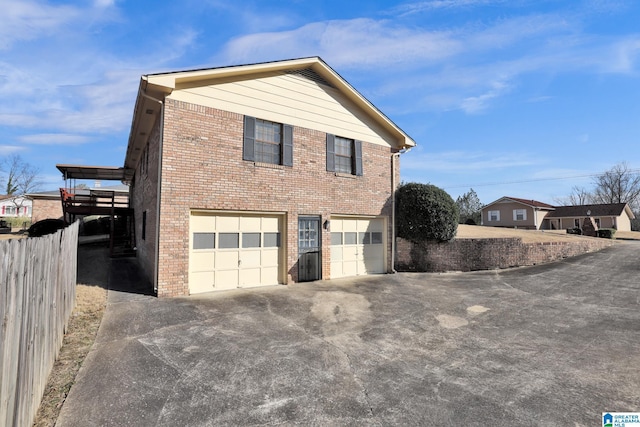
548, 345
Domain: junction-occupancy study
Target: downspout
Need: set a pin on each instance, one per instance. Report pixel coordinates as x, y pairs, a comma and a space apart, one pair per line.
394, 156
157, 243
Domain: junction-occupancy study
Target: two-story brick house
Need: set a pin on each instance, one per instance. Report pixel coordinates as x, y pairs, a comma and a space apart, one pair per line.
258, 175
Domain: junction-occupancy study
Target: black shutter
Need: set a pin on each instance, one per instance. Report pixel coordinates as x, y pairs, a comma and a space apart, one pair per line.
287, 145
249, 138
331, 153
357, 157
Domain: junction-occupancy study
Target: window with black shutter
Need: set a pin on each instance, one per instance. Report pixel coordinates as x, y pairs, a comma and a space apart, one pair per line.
344, 155
267, 142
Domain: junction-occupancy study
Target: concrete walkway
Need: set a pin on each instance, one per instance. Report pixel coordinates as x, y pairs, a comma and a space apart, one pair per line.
548, 345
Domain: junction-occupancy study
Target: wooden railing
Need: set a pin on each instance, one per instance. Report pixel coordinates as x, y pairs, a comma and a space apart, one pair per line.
37, 296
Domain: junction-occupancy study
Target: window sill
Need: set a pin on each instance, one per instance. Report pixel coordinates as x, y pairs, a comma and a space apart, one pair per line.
268, 165
345, 175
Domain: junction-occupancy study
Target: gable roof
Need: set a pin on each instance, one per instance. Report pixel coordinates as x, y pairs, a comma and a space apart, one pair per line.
154, 87
613, 209
528, 202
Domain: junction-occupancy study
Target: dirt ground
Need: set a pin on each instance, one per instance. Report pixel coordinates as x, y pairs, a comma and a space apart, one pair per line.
529, 236
91, 297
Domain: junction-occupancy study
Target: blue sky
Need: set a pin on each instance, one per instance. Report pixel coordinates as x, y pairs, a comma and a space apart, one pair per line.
505, 96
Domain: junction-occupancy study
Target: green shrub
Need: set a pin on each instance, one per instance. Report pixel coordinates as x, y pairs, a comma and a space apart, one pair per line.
574, 230
607, 233
17, 222
425, 212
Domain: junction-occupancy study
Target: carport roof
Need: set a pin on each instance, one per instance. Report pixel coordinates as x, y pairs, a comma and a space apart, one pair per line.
107, 173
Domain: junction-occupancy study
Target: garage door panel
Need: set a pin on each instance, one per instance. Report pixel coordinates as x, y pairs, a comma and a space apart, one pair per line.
203, 222
227, 259
357, 247
269, 275
202, 261
203, 281
349, 268
270, 224
250, 223
270, 257
226, 279
250, 277
231, 251
227, 223
250, 259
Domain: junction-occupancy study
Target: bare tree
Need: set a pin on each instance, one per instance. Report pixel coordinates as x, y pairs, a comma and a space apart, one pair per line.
620, 184
21, 178
579, 196
469, 208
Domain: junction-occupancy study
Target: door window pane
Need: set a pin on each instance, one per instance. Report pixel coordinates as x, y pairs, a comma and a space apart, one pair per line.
250, 240
376, 237
228, 240
204, 240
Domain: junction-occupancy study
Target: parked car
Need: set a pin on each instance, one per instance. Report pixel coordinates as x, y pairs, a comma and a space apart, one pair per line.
4, 227
45, 226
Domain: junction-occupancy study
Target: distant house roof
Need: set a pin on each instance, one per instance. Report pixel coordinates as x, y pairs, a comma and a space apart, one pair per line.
528, 202
615, 209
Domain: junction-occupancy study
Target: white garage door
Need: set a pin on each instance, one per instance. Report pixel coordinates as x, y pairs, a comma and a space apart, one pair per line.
232, 251
357, 246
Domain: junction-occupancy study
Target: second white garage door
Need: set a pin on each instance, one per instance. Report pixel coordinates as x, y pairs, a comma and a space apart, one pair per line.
234, 251
357, 246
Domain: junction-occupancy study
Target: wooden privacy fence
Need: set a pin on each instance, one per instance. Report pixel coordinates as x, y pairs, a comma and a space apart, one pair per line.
37, 295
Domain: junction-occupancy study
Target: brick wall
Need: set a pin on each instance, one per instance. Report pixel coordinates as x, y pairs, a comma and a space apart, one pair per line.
202, 168
485, 254
143, 195
45, 208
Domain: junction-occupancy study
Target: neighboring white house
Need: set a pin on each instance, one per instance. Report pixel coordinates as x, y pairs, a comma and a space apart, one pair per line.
13, 207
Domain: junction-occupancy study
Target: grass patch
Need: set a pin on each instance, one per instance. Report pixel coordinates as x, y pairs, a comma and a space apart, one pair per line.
91, 300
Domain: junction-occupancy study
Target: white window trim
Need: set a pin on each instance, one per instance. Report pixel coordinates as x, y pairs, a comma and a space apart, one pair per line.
491, 214
515, 214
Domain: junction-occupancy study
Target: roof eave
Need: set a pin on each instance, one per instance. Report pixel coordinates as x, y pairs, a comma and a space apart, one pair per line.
163, 84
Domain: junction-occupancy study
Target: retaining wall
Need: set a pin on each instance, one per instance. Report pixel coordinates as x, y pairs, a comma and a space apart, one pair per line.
487, 254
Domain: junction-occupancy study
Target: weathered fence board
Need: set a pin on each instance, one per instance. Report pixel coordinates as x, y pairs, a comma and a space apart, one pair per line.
37, 295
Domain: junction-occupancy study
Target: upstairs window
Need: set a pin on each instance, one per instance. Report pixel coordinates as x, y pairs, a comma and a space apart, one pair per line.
344, 155
267, 142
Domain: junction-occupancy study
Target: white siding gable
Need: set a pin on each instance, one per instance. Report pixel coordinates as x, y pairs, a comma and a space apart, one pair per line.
289, 98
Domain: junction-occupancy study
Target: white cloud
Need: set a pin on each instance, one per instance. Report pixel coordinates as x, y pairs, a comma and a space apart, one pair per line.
464, 161
347, 43
54, 139
10, 149
28, 20
426, 6
466, 68
477, 104
625, 55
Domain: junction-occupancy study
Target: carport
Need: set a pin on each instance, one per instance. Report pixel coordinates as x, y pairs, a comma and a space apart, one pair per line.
103, 202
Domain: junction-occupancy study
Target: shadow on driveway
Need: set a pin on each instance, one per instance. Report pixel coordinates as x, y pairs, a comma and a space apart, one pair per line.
550, 345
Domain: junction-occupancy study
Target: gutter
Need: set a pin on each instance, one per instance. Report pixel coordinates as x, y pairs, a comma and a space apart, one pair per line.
394, 156
157, 242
